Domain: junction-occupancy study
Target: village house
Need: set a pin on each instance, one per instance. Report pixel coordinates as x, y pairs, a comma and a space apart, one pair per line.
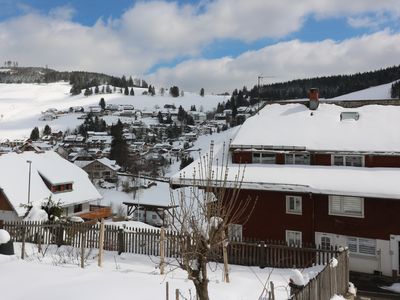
32, 178
102, 168
328, 176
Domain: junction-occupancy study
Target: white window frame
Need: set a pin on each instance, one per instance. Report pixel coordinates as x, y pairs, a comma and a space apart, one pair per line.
360, 246
342, 210
344, 157
297, 203
297, 236
293, 158
235, 232
323, 244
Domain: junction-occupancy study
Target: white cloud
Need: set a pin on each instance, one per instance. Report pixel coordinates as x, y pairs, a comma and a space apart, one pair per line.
285, 61
153, 32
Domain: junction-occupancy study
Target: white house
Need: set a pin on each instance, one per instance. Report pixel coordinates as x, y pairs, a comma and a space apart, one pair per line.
34, 177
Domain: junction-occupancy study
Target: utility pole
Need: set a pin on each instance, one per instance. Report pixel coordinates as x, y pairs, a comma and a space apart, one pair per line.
259, 78
29, 181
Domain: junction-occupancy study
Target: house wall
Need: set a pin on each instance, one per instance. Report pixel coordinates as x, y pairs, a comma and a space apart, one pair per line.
269, 220
242, 157
382, 161
321, 159
381, 219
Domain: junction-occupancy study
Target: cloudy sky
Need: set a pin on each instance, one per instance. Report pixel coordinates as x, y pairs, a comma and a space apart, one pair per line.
216, 44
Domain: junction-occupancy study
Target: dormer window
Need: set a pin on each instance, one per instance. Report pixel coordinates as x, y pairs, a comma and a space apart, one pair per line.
60, 188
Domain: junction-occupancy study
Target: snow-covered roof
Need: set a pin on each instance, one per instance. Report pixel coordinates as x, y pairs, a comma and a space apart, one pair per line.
331, 180
112, 164
14, 178
295, 126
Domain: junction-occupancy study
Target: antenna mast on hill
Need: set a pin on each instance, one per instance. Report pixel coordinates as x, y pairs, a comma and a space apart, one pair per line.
259, 78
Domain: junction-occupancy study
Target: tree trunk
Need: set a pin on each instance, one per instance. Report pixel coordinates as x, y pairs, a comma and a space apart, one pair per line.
202, 289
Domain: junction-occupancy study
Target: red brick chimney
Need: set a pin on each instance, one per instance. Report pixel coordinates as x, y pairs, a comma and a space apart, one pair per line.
313, 95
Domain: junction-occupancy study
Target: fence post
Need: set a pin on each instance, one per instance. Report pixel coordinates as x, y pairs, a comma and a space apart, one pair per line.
83, 239
225, 256
167, 290
121, 246
176, 294
262, 255
60, 235
272, 290
101, 242
162, 250
1, 224
23, 242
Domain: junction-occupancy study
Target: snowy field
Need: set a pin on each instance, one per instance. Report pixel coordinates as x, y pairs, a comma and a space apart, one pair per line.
380, 92
21, 105
57, 275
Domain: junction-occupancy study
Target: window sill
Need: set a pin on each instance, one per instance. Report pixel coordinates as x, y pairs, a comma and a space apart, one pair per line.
346, 215
363, 256
294, 213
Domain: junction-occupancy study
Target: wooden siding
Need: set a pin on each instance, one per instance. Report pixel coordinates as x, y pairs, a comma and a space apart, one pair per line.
381, 219
320, 159
269, 220
242, 157
385, 161
4, 203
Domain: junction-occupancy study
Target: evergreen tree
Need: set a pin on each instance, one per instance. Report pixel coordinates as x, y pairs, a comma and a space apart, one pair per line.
130, 81
119, 148
47, 130
174, 91
160, 117
181, 113
102, 104
186, 160
126, 92
34, 134
202, 92
96, 89
87, 92
132, 92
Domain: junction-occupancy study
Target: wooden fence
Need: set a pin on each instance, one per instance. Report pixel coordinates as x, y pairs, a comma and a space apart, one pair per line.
333, 279
147, 241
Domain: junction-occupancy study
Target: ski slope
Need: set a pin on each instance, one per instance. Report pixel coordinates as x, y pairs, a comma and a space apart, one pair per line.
21, 105
380, 92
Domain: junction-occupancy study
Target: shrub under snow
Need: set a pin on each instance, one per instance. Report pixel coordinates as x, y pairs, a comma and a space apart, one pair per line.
4, 236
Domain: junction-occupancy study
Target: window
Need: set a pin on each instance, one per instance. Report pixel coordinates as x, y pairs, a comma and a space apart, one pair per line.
348, 160
325, 243
77, 208
263, 158
293, 238
297, 159
362, 246
235, 232
294, 205
346, 206
154, 217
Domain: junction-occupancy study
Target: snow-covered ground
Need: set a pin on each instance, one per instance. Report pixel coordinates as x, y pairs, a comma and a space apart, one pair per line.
380, 92
21, 105
57, 275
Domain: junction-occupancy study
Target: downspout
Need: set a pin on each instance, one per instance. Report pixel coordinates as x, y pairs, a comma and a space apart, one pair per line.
312, 218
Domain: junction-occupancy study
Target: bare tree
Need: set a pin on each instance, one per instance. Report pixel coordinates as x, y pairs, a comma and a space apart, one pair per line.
208, 203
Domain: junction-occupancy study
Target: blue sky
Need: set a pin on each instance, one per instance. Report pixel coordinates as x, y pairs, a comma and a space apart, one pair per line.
218, 44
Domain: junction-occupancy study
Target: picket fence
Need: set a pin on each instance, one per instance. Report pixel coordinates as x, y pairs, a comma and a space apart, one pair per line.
147, 241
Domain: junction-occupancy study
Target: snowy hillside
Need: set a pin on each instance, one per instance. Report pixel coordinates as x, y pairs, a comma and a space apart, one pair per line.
21, 105
380, 92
